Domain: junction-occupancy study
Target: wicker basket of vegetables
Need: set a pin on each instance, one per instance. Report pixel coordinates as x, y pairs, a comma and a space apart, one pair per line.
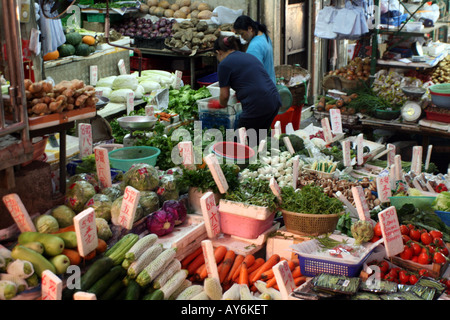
310, 211
296, 79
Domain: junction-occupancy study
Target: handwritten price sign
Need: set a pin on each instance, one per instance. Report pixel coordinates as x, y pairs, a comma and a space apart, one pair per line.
86, 231
18, 212
103, 167
210, 214
284, 278
51, 286
390, 229
130, 201
85, 139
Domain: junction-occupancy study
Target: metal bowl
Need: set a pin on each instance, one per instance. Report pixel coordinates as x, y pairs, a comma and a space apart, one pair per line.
414, 92
133, 123
102, 101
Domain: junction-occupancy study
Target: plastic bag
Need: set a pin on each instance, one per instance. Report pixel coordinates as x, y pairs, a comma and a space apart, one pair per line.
167, 189
324, 23
222, 15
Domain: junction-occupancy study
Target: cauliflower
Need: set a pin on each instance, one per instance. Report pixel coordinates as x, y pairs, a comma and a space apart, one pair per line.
362, 231
103, 230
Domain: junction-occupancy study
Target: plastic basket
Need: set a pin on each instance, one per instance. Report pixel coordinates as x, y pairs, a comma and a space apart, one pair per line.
152, 43
444, 216
309, 224
418, 202
436, 116
124, 158
311, 265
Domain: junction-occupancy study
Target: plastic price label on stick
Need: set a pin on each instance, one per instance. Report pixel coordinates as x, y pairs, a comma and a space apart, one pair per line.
121, 66
384, 187
347, 160
130, 102
262, 146
178, 76
277, 128
275, 188
187, 153
210, 260
103, 167
85, 139
416, 161
18, 212
295, 169
361, 203
210, 214
359, 149
326, 130
243, 136
428, 158
86, 231
288, 144
284, 278
390, 228
391, 154
130, 201
93, 75
398, 167
217, 173
51, 286
150, 110
336, 120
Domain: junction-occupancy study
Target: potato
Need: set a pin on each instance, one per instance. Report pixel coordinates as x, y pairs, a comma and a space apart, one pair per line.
205, 14
152, 3
164, 4
194, 14
179, 14
186, 10
183, 3
194, 5
203, 6
168, 13
152, 10
159, 11
144, 8
174, 7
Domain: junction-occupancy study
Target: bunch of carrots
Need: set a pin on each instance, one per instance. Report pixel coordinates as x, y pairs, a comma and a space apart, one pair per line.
164, 116
237, 268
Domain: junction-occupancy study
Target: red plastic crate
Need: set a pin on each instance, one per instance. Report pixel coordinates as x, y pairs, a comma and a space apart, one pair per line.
435, 116
293, 115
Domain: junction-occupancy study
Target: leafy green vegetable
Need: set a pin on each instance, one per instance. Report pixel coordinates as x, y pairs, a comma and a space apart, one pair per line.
442, 201
344, 224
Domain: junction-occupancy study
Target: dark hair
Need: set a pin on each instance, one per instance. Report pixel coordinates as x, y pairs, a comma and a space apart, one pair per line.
226, 43
243, 22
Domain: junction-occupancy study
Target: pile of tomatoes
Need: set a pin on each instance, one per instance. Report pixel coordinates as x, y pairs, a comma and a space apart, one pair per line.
420, 246
397, 274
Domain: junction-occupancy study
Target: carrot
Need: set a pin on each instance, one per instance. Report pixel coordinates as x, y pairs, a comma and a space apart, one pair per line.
190, 257
296, 272
273, 260
237, 264
254, 268
266, 275
227, 264
296, 261
243, 274
73, 255
220, 253
65, 229
197, 262
271, 282
299, 280
248, 260
102, 246
91, 255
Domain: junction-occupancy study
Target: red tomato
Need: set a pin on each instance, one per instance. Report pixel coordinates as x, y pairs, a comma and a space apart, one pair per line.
424, 258
415, 258
407, 253
384, 266
436, 234
424, 273
444, 251
426, 238
413, 279
394, 273
414, 234
377, 230
416, 248
438, 242
403, 276
439, 258
411, 226
405, 238
375, 239
404, 229
389, 277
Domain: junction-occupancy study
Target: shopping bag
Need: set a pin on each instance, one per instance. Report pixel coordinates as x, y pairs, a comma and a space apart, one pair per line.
324, 22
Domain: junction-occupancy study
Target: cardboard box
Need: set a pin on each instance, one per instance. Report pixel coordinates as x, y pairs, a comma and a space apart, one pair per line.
280, 243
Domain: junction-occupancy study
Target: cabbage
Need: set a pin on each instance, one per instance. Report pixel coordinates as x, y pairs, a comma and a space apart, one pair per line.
442, 202
150, 85
142, 177
149, 201
168, 188
78, 194
177, 208
64, 215
125, 81
106, 92
46, 223
139, 92
103, 230
161, 222
84, 177
115, 211
101, 204
106, 82
112, 192
120, 95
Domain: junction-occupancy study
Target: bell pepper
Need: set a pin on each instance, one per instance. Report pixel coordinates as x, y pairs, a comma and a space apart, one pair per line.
440, 188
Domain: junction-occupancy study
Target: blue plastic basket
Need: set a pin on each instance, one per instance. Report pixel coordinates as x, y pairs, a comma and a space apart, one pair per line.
445, 216
209, 79
311, 267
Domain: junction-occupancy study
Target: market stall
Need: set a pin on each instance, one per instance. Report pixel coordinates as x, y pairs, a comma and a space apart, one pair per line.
178, 206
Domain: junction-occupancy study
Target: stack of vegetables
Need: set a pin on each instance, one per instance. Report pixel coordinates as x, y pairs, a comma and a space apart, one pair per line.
77, 44
43, 98
145, 28
179, 9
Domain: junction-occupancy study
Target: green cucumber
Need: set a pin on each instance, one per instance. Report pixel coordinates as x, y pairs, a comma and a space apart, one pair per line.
133, 290
113, 291
102, 284
118, 251
155, 295
97, 270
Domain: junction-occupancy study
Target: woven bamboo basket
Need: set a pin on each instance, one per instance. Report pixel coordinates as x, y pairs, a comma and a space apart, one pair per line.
330, 82
309, 224
298, 91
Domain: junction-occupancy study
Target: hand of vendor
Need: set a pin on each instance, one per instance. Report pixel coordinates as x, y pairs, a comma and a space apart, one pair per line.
214, 104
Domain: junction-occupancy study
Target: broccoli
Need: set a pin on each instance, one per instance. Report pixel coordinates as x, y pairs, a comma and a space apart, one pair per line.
296, 141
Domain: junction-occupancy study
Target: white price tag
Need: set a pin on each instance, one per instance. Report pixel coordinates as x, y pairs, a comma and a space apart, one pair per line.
384, 188
85, 139
398, 167
18, 212
391, 154
289, 128
427, 161
102, 166
275, 188
285, 280
93, 75
210, 259
122, 67
210, 214
361, 203
288, 144
390, 228
150, 110
346, 153
336, 120
359, 150
217, 173
178, 75
187, 153
277, 129
86, 231
51, 286
295, 170
416, 161
130, 201
326, 130
130, 102
243, 136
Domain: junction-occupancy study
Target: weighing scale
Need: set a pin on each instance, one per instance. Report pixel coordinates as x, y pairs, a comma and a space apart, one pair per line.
136, 123
412, 109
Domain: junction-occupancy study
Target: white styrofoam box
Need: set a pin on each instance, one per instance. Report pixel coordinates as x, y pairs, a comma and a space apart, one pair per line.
281, 242
215, 90
121, 42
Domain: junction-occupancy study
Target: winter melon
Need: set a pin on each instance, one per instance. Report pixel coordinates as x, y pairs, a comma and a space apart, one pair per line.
83, 50
74, 38
66, 50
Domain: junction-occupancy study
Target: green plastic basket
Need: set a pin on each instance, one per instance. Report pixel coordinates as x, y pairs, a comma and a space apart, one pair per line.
420, 202
441, 88
124, 158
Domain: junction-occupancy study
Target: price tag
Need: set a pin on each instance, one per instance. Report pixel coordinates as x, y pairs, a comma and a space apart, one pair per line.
121, 66
150, 110
178, 76
187, 153
243, 136
102, 166
99, 93
93, 75
288, 144
295, 169
289, 128
262, 146
398, 168
416, 161
384, 188
392, 176
346, 153
275, 188
391, 154
86, 231
277, 129
361, 203
130, 201
51, 286
130, 102
85, 139
210, 214
80, 295
285, 280
336, 120
217, 173
18, 212
210, 259
427, 161
359, 150
390, 228
326, 130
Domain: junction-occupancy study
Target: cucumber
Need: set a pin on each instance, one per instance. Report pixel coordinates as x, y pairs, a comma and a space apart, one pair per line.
97, 270
113, 291
133, 290
101, 285
39, 262
155, 295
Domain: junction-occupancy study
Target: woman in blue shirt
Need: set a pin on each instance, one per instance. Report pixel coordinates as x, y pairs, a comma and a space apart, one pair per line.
254, 88
259, 43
